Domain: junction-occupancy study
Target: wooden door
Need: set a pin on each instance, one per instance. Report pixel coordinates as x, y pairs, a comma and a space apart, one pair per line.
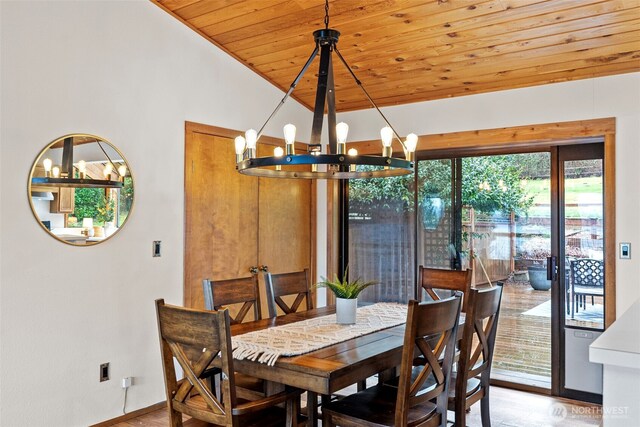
285, 224
234, 222
220, 215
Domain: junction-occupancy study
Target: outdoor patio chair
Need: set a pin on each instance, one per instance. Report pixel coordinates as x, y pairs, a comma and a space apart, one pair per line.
587, 279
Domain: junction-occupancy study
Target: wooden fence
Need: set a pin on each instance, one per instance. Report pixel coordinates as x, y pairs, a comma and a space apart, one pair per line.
382, 247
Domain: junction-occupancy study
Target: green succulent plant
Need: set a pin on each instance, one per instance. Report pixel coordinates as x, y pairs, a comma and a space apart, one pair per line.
344, 288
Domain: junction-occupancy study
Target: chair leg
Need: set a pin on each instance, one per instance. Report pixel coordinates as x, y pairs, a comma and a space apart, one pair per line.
460, 413
175, 417
484, 409
362, 385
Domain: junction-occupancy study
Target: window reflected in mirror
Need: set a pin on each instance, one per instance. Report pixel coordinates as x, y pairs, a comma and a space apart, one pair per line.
81, 190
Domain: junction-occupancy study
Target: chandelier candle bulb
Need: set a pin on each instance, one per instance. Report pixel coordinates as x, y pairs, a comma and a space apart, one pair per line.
240, 144
278, 152
108, 168
410, 144
47, 163
55, 171
342, 131
122, 171
290, 138
252, 139
82, 169
386, 134
352, 152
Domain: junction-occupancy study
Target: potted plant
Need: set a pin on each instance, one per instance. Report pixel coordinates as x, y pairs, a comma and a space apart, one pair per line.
346, 293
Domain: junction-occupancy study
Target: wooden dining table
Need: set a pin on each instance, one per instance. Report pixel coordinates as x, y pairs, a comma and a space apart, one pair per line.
329, 369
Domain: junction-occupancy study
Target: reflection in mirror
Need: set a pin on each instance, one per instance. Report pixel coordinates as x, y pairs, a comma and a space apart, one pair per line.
81, 189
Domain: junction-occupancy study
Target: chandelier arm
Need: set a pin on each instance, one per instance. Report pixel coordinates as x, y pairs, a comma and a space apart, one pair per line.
291, 88
371, 101
108, 158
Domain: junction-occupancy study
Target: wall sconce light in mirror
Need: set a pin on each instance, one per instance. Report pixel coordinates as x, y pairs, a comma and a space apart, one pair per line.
81, 189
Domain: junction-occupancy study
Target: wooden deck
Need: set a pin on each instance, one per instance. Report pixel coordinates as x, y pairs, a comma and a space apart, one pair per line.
523, 346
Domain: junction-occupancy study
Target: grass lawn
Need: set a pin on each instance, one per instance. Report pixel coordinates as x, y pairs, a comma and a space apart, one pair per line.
579, 191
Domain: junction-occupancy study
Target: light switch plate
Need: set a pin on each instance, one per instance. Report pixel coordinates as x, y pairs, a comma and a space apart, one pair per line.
157, 252
625, 250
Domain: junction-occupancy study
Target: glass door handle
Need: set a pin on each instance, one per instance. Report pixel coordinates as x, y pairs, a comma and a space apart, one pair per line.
552, 268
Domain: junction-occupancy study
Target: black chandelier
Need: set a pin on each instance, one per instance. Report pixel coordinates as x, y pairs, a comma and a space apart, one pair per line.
340, 162
65, 176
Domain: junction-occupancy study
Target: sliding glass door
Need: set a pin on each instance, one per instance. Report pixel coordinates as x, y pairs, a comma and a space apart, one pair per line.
510, 218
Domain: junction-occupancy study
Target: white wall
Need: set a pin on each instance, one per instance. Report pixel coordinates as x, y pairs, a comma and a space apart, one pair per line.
132, 74
615, 96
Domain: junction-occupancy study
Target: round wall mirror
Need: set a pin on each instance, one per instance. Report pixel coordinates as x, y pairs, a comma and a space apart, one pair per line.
81, 189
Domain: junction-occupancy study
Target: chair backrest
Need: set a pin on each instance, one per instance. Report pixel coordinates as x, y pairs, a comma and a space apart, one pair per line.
195, 338
427, 322
223, 293
478, 338
587, 272
295, 284
430, 279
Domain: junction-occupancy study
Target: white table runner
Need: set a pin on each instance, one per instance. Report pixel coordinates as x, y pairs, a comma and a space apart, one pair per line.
267, 345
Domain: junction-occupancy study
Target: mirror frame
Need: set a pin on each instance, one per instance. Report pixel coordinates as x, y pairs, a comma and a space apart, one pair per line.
35, 164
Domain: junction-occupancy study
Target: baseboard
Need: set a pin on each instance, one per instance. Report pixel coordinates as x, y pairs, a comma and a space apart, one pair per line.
132, 414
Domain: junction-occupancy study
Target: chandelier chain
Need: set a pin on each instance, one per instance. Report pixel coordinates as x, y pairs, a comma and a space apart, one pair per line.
326, 14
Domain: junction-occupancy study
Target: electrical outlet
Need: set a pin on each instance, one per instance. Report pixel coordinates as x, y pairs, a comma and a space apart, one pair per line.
104, 372
157, 248
126, 382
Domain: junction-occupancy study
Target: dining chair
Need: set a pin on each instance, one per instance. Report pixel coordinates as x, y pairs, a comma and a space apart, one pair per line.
241, 292
296, 284
476, 355
224, 293
410, 401
587, 279
431, 279
196, 339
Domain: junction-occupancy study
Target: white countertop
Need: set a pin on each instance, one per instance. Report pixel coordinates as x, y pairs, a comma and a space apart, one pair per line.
620, 344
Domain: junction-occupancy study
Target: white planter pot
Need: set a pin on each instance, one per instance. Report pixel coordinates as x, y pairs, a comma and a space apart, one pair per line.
346, 311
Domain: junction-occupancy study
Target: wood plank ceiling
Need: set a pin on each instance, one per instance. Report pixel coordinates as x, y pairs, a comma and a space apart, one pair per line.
416, 50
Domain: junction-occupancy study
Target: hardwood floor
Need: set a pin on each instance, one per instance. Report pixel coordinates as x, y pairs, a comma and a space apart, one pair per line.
509, 408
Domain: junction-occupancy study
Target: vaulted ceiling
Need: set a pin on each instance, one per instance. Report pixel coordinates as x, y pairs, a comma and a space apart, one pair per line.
415, 50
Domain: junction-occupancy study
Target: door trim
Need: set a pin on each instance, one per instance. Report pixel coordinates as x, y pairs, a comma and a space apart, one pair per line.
536, 138
530, 138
